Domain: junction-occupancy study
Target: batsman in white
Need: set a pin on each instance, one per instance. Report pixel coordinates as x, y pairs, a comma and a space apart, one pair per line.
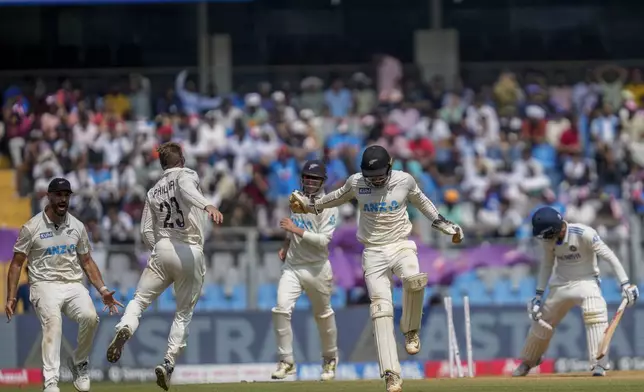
57, 248
306, 267
571, 252
384, 228
172, 226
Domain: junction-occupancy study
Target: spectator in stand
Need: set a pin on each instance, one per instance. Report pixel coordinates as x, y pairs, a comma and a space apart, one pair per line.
611, 79
192, 102
227, 114
339, 99
636, 86
365, 97
561, 94
507, 92
389, 73
170, 103
604, 128
117, 103
140, 97
312, 96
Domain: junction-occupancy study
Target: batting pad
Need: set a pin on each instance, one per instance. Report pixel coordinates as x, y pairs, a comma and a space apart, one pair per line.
328, 334
536, 344
283, 334
413, 296
596, 320
382, 314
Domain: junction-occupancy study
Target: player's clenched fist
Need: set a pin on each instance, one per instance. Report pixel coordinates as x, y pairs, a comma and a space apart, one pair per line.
299, 203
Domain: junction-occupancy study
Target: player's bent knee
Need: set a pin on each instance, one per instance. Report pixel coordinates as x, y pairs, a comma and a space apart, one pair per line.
90, 319
381, 308
540, 332
325, 314
416, 282
278, 310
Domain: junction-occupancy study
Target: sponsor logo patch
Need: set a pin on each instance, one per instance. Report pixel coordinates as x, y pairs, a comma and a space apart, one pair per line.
48, 234
364, 191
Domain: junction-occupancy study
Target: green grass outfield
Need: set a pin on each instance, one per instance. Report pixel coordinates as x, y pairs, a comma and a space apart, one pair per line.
615, 382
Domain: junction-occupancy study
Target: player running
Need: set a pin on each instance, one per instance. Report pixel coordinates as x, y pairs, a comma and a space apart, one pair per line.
56, 246
172, 228
384, 228
306, 267
571, 250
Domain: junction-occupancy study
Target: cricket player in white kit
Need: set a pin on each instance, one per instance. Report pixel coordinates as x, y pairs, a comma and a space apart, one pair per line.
172, 226
570, 264
306, 267
384, 228
57, 248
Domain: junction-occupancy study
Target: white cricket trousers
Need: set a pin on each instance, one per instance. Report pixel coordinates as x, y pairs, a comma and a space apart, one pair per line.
317, 281
51, 300
585, 294
379, 263
170, 262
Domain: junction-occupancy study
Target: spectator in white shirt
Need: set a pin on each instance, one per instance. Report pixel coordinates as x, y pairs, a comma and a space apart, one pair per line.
282, 108
227, 114
581, 209
482, 119
528, 173
193, 102
212, 133
85, 132
124, 178
555, 127
114, 145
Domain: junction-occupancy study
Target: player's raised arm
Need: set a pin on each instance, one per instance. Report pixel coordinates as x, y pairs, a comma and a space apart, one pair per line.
147, 226
189, 188
20, 251
300, 203
419, 200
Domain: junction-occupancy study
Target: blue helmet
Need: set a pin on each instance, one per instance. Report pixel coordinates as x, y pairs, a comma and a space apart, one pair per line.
546, 223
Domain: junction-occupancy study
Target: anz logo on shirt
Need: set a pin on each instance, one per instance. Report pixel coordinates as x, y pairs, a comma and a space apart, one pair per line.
302, 224
60, 250
380, 207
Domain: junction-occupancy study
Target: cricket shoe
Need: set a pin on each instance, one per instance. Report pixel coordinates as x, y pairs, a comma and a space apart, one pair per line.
393, 382
80, 375
164, 374
284, 369
51, 387
599, 371
115, 349
412, 342
328, 369
523, 369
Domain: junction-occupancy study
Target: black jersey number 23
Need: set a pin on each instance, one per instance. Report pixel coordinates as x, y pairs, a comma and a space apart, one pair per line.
172, 208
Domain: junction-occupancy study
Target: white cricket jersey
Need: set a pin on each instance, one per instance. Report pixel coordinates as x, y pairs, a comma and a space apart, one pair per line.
383, 217
313, 246
174, 209
52, 251
575, 257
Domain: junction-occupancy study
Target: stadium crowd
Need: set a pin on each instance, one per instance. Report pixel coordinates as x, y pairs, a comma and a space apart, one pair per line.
487, 157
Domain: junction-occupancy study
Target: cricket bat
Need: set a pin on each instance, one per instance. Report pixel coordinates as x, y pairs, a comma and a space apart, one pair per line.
608, 334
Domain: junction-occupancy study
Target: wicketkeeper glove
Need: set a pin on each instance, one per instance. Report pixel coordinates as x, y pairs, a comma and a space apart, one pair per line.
631, 293
449, 228
300, 203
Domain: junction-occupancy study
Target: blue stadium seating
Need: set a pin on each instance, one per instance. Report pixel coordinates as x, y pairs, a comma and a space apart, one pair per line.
611, 290
266, 296
503, 294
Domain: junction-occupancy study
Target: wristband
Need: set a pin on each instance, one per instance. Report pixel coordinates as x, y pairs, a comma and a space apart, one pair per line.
539, 293
103, 288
